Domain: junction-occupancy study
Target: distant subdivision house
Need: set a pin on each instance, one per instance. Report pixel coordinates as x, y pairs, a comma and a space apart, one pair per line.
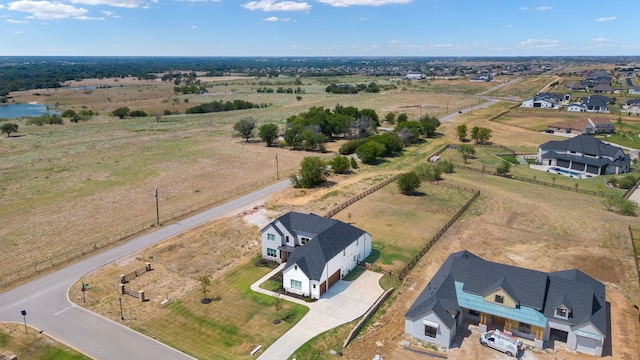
568, 306
597, 103
583, 127
584, 154
318, 251
482, 78
542, 100
415, 77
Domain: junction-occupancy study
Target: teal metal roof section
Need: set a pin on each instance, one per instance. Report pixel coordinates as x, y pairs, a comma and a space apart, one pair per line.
587, 335
477, 303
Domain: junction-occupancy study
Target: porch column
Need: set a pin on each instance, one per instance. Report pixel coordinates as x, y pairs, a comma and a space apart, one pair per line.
507, 325
482, 326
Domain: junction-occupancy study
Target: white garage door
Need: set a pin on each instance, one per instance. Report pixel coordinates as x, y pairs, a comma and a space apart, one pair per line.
586, 345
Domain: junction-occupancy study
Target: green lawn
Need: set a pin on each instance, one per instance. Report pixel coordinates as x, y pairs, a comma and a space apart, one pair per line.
33, 346
226, 329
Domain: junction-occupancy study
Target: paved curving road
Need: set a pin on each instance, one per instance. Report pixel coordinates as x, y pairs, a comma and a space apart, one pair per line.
50, 310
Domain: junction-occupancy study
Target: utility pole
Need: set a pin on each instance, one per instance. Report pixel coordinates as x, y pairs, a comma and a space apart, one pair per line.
155, 195
277, 170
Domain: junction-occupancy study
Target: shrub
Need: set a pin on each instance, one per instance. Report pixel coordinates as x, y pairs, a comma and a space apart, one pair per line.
350, 146
340, 164
370, 151
408, 182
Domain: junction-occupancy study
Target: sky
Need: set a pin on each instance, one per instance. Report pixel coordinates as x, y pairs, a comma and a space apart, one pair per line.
319, 28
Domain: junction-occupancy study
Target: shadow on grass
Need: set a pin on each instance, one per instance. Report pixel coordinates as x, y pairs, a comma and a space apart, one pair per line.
373, 257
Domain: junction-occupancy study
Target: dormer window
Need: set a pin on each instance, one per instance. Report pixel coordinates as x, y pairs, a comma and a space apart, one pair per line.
499, 299
561, 312
304, 240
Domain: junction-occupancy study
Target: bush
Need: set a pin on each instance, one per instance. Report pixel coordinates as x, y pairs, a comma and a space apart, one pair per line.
350, 146
446, 166
626, 182
428, 172
370, 151
138, 113
409, 182
340, 164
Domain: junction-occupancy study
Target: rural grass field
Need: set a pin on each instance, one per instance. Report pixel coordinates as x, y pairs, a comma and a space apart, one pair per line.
32, 345
404, 224
512, 222
86, 185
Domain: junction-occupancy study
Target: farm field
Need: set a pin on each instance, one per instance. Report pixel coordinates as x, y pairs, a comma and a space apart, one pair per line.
84, 186
100, 176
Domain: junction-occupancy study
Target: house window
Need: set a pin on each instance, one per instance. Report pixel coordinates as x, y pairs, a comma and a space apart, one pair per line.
562, 313
524, 328
430, 331
272, 252
474, 313
295, 267
304, 240
314, 286
271, 237
295, 284
344, 252
499, 299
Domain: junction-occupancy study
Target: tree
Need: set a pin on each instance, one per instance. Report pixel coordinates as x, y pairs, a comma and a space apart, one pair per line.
390, 117
429, 124
445, 166
504, 168
354, 163
467, 151
9, 128
484, 135
204, 288
340, 164
462, 131
429, 172
370, 151
313, 171
408, 182
480, 134
268, 133
402, 118
245, 128
121, 113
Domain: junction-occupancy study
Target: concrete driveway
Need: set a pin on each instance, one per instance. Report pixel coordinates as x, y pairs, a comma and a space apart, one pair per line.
344, 302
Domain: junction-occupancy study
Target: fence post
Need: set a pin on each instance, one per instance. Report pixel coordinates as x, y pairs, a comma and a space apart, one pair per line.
121, 289
123, 279
141, 295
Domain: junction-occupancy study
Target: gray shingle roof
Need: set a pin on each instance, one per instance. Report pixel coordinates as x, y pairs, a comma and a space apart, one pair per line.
583, 295
582, 144
328, 238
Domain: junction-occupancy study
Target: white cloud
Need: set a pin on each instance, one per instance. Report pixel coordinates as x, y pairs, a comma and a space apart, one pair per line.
11, 21
539, 8
88, 18
539, 43
347, 3
611, 18
47, 10
1, 6
194, 26
274, 5
107, 13
114, 3
599, 39
276, 19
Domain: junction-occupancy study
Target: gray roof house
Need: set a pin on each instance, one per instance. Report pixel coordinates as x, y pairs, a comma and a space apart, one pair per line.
318, 251
567, 306
584, 156
597, 103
